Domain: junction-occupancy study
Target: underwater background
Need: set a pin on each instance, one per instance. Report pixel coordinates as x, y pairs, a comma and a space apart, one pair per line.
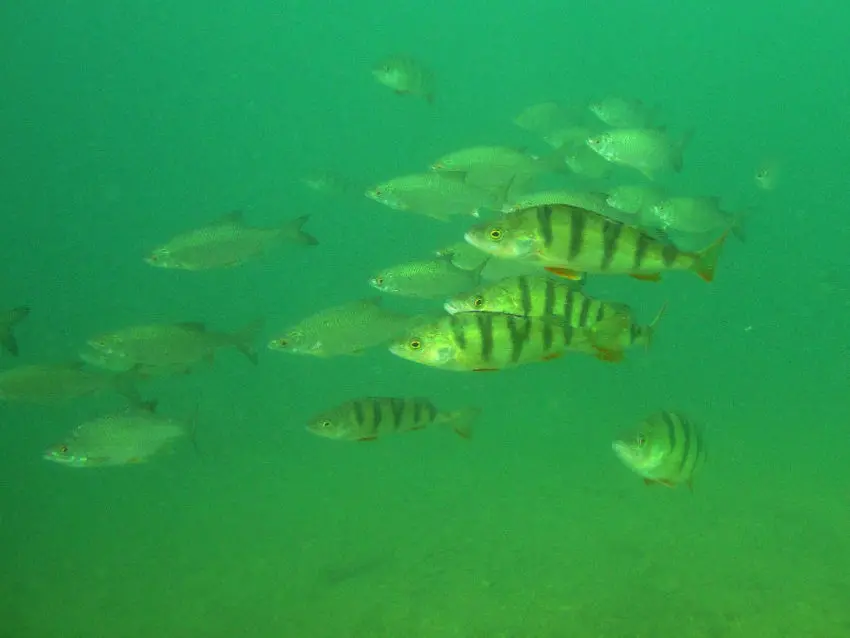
123, 123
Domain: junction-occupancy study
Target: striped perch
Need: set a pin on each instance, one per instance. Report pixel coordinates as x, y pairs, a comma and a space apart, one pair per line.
667, 448
569, 241
369, 418
485, 341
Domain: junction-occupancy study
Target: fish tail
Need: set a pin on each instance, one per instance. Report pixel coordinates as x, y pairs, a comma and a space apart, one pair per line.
243, 339
461, 421
7, 340
706, 262
738, 226
293, 229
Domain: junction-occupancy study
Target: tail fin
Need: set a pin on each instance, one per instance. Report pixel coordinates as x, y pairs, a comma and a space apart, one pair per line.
706, 262
738, 225
461, 421
243, 339
7, 324
293, 230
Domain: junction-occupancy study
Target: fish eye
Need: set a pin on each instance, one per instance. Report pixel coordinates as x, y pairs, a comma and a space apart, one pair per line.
496, 234
325, 424
63, 449
415, 344
281, 343
379, 281
478, 301
153, 257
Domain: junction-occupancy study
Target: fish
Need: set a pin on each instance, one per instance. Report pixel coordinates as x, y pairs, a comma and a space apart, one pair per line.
406, 76
635, 199
41, 383
647, 150
226, 243
487, 158
346, 329
370, 418
611, 324
667, 449
435, 195
327, 183
427, 279
129, 437
693, 215
767, 175
489, 341
568, 241
622, 112
172, 346
9, 319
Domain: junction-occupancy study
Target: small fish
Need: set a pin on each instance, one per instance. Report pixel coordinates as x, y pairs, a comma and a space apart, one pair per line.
621, 112
767, 175
693, 215
226, 243
327, 183
667, 448
647, 150
568, 241
172, 346
61, 381
427, 279
128, 437
347, 329
370, 418
487, 341
635, 199
406, 76
8, 320
435, 195
487, 158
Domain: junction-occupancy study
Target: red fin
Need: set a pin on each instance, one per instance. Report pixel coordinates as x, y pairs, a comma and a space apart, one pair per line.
707, 259
551, 357
609, 356
566, 273
650, 277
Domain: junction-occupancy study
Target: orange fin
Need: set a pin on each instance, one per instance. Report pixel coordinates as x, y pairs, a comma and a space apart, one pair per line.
566, 273
608, 355
551, 356
706, 262
649, 277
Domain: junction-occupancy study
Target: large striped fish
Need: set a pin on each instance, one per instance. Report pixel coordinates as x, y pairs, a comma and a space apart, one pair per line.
368, 418
541, 296
567, 240
486, 341
667, 448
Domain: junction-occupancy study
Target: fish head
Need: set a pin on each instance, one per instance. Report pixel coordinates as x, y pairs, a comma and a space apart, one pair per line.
601, 144
161, 258
384, 194
389, 74
384, 281
465, 303
427, 346
507, 238
331, 425
295, 341
637, 451
66, 454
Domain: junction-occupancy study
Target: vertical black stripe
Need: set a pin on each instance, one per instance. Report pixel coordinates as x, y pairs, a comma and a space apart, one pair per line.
517, 337
549, 299
686, 433
568, 307
457, 325
547, 332
525, 295
417, 411
577, 219
485, 330
585, 310
569, 333
432, 411
671, 430
669, 253
544, 221
635, 333
600, 313
643, 243
378, 412
610, 237
358, 412
397, 406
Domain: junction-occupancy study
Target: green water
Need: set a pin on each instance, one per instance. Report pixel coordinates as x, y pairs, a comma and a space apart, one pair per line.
125, 123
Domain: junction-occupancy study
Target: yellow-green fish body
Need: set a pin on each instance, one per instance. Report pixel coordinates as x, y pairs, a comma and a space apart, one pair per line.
369, 418
567, 240
667, 448
433, 194
427, 279
406, 76
226, 243
647, 150
8, 320
484, 341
